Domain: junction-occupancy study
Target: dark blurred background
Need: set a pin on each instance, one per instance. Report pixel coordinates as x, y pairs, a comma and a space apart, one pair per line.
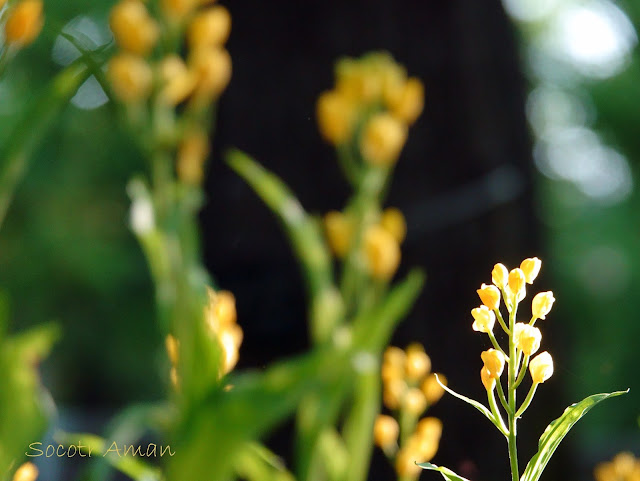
528, 146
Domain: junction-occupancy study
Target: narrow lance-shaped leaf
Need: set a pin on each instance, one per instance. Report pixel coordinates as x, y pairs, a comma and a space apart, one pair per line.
479, 406
446, 472
557, 430
305, 236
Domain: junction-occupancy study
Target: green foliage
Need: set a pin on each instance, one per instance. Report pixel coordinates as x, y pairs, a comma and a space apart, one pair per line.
446, 472
24, 408
557, 430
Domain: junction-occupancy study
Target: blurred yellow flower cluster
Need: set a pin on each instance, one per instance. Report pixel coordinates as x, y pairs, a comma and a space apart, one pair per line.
150, 72
26, 472
373, 103
511, 286
207, 71
23, 22
623, 467
221, 320
409, 389
380, 244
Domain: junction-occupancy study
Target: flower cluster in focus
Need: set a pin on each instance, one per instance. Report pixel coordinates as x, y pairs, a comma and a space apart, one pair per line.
623, 467
409, 389
511, 286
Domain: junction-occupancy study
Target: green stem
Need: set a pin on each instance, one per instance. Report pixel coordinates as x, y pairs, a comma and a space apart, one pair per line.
495, 343
501, 396
358, 428
523, 371
511, 411
527, 400
496, 414
501, 321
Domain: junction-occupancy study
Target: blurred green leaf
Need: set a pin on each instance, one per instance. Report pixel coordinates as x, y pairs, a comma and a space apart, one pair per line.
306, 238
211, 434
23, 407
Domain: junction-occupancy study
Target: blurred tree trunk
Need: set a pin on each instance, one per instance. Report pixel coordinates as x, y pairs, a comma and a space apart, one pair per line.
464, 180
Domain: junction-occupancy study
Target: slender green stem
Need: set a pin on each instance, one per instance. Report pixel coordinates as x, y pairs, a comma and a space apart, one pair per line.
523, 371
496, 413
501, 321
501, 396
527, 400
495, 343
533, 320
511, 411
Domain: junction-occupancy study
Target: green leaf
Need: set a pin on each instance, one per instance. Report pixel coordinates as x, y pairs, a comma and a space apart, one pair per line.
98, 447
211, 434
24, 408
557, 430
479, 406
306, 239
446, 472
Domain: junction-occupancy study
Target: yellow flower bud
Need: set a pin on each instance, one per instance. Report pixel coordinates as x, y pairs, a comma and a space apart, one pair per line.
488, 382
541, 367
230, 339
177, 10
192, 153
624, 465
178, 82
133, 29
394, 356
393, 222
210, 28
418, 364
494, 362
174, 378
517, 284
484, 319
26, 472
339, 231
531, 267
408, 102
429, 428
356, 82
406, 466
220, 312
212, 67
605, 472
393, 393
527, 338
499, 275
490, 296
385, 431
382, 253
414, 401
431, 389
382, 141
173, 349
131, 77
336, 116
541, 304
24, 23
